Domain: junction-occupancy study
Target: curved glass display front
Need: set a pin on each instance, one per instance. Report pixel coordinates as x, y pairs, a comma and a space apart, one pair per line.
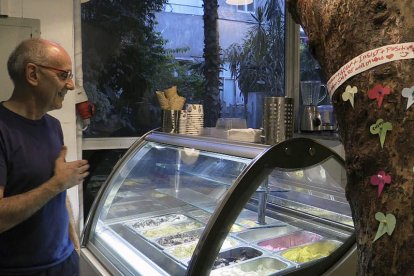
160, 197
295, 218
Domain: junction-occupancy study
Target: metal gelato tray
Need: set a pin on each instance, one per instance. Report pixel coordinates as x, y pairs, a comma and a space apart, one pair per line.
236, 255
257, 266
179, 238
166, 230
171, 229
184, 252
146, 223
201, 215
291, 240
249, 219
255, 235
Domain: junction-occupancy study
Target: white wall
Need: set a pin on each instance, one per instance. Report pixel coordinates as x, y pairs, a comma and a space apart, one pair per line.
56, 24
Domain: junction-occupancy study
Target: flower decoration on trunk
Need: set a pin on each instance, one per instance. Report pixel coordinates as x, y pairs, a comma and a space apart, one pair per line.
349, 94
380, 179
387, 224
409, 94
381, 128
378, 93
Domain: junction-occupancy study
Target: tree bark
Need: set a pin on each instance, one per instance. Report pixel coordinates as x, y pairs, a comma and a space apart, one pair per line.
211, 68
338, 31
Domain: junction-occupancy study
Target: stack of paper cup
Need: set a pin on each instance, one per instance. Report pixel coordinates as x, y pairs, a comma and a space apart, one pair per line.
182, 122
195, 119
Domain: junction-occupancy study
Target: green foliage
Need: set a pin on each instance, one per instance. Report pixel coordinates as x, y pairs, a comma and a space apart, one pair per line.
309, 67
103, 109
124, 63
121, 55
181, 73
258, 63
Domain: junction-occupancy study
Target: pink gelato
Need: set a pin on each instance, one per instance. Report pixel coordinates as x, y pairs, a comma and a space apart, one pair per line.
294, 239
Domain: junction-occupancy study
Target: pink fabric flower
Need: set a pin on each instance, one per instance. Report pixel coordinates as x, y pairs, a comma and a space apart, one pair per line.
378, 93
380, 179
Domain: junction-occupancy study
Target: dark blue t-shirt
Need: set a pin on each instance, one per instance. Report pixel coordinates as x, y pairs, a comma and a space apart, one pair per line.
28, 150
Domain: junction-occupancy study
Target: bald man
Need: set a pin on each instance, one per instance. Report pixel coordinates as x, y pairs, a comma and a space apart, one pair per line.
36, 234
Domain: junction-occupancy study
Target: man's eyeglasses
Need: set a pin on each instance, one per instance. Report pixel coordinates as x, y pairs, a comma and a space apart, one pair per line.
64, 75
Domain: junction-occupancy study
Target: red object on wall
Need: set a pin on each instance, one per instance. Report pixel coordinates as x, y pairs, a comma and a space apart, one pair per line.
85, 110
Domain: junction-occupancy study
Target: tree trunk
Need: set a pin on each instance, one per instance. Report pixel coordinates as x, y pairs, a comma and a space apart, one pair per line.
338, 31
211, 69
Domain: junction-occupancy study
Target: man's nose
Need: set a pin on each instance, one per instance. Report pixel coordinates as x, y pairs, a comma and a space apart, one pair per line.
69, 84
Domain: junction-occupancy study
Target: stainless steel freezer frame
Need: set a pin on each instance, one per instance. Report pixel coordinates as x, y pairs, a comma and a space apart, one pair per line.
189, 205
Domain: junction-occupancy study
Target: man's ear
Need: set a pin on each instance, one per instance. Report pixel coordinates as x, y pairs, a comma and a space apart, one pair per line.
31, 74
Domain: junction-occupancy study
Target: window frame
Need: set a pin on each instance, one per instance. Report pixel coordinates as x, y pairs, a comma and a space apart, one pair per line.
246, 7
292, 77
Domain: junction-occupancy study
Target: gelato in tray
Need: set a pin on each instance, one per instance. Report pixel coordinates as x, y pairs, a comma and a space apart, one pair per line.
179, 238
236, 228
185, 251
248, 223
310, 252
229, 243
235, 255
192, 236
151, 222
288, 241
258, 267
172, 229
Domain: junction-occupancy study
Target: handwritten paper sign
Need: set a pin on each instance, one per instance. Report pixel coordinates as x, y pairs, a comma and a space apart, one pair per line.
369, 60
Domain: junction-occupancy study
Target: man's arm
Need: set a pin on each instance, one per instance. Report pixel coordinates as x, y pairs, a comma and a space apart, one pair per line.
17, 208
73, 234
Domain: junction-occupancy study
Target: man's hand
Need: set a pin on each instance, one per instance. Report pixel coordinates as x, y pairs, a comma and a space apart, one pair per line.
69, 174
17, 208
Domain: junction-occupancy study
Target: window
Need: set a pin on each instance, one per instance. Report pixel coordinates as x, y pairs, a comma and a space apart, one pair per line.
157, 44
313, 94
246, 7
194, 7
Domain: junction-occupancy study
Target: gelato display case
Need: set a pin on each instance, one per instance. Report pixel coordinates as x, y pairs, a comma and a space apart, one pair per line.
190, 205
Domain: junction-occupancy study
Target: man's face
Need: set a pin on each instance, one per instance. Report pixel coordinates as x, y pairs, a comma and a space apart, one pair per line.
56, 80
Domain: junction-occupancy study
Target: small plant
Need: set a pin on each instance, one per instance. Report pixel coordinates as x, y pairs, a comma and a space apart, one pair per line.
258, 63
